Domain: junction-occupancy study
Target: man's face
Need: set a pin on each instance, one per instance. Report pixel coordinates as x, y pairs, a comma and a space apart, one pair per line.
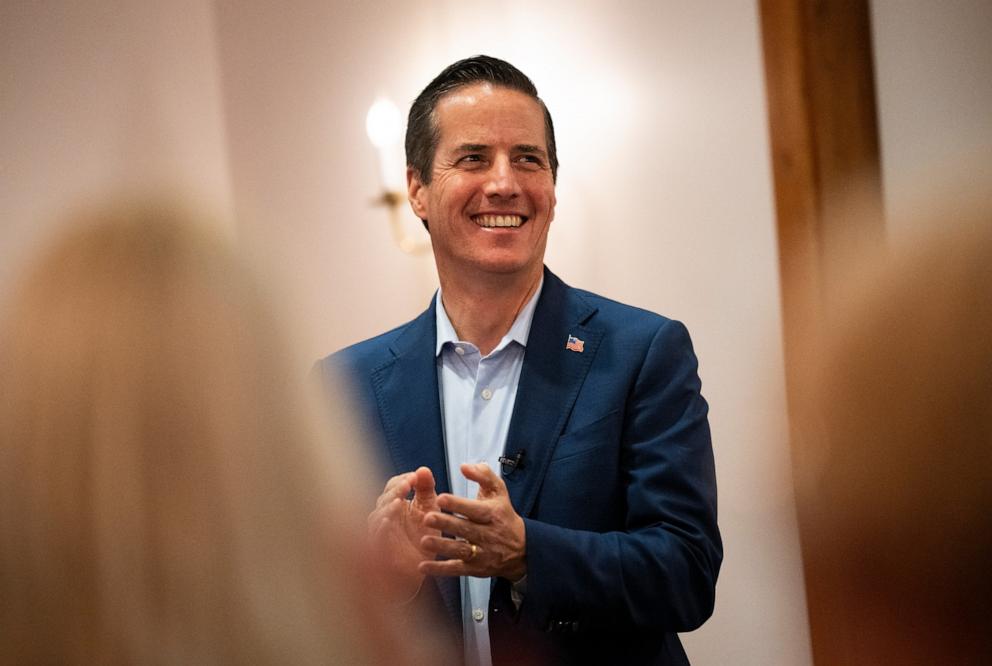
492, 197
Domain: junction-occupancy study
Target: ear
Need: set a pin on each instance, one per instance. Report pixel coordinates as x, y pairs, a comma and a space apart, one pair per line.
416, 192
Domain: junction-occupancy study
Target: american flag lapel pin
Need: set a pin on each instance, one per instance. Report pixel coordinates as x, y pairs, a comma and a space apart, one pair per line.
574, 344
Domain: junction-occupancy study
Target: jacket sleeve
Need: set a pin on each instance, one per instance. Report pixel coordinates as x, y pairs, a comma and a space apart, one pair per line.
659, 570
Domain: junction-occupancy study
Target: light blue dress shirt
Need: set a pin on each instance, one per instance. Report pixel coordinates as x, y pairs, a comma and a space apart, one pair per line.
477, 396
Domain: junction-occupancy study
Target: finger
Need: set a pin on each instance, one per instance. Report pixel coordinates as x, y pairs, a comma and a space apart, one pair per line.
398, 486
385, 499
454, 525
449, 548
424, 494
475, 510
392, 510
489, 481
453, 567
450, 568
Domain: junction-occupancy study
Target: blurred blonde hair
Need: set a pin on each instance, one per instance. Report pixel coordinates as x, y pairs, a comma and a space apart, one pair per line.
895, 477
165, 495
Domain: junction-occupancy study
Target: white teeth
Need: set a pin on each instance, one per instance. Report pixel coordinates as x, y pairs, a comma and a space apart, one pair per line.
499, 220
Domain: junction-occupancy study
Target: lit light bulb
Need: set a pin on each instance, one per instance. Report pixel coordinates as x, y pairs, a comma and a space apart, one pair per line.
383, 123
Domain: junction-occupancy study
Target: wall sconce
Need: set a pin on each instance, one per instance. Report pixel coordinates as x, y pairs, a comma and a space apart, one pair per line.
384, 125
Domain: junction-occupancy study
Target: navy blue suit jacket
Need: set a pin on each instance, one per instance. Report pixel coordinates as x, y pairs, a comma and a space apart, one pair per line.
617, 488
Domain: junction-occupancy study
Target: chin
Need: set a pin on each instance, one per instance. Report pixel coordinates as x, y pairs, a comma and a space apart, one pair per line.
505, 266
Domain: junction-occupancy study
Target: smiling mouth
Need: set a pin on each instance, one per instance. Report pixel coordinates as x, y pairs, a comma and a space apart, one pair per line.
494, 221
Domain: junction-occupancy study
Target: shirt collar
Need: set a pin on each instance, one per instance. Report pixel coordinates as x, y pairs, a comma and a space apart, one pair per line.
519, 331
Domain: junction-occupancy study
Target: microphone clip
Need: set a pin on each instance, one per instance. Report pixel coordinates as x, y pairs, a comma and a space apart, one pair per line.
509, 464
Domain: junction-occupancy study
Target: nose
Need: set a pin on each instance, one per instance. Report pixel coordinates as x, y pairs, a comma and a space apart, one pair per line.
501, 181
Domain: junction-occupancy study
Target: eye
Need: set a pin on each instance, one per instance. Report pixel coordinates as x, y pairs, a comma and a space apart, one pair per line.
471, 161
530, 161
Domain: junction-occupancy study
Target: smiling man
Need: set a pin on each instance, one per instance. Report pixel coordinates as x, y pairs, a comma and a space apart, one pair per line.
552, 485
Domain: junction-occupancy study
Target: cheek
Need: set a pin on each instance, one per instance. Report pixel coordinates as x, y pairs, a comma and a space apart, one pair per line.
548, 201
453, 194
543, 190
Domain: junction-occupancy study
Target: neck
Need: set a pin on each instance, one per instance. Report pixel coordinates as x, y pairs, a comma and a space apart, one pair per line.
483, 311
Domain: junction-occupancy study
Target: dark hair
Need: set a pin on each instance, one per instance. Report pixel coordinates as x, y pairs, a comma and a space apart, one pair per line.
422, 133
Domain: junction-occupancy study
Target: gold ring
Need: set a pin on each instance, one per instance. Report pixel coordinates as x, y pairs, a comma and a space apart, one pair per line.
475, 551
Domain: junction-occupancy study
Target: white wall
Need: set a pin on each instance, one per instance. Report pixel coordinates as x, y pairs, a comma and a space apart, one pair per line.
933, 71
101, 97
665, 201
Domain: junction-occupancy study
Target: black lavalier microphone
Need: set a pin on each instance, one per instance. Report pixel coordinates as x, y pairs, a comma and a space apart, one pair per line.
509, 463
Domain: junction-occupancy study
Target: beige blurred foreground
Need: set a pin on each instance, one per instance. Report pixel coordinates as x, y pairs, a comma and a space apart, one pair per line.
165, 495
895, 477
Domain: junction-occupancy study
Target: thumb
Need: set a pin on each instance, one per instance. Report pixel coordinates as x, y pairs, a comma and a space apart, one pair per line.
424, 494
489, 482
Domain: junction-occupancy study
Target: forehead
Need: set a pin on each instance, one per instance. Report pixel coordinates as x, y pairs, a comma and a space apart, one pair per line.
481, 113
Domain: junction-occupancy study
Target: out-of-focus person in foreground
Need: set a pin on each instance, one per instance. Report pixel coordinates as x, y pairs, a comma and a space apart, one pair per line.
166, 496
896, 469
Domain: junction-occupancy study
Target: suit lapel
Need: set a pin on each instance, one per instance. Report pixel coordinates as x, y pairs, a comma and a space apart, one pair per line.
407, 396
549, 383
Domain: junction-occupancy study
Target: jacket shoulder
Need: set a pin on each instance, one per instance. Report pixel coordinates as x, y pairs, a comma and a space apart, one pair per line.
367, 354
624, 317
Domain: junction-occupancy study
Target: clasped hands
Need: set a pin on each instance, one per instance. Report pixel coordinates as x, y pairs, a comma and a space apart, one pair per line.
407, 533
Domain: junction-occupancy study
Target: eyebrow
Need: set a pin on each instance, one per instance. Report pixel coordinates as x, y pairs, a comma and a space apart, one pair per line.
520, 148
527, 148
